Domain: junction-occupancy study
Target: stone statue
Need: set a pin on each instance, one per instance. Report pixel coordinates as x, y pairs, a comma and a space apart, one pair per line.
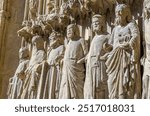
146, 57
52, 20
63, 23
54, 73
16, 82
123, 62
25, 33
33, 71
71, 54
73, 66
95, 86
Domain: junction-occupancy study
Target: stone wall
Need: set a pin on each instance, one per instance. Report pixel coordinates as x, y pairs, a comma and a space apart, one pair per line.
10, 21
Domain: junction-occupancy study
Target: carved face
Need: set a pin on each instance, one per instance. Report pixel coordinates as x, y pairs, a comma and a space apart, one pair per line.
122, 14
70, 32
53, 40
96, 24
36, 29
23, 53
63, 19
38, 42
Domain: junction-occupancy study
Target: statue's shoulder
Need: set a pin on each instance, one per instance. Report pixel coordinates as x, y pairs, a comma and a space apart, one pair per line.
132, 23
82, 40
61, 48
108, 35
105, 35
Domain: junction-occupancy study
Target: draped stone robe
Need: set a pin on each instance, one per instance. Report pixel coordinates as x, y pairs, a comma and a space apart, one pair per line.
33, 74
95, 86
146, 74
73, 73
16, 85
123, 73
54, 73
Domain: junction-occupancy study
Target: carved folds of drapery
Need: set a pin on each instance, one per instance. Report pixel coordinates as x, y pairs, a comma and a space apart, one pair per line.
83, 49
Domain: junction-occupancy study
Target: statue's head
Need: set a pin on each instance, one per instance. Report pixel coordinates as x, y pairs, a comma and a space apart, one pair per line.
123, 14
64, 19
38, 42
23, 53
52, 20
25, 34
98, 23
146, 9
37, 29
55, 39
73, 31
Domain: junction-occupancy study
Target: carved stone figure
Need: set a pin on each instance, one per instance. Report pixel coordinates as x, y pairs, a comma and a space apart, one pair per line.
63, 23
123, 62
73, 66
16, 82
54, 73
146, 57
33, 72
52, 20
25, 33
71, 53
95, 86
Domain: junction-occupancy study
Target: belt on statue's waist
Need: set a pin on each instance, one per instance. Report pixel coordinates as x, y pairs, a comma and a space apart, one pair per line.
93, 56
70, 58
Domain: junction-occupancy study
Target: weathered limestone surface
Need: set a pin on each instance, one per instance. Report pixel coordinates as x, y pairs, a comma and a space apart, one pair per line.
74, 49
11, 17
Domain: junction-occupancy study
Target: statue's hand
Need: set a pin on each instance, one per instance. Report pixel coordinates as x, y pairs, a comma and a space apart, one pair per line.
107, 47
104, 57
124, 45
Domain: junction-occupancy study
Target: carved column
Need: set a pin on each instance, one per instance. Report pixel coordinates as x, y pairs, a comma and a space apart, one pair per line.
11, 17
4, 15
40, 10
26, 10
